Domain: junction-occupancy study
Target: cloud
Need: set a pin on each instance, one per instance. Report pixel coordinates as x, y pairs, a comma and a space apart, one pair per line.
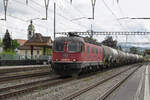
18, 14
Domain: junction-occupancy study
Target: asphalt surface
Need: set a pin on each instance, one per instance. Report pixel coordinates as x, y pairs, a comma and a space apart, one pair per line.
137, 87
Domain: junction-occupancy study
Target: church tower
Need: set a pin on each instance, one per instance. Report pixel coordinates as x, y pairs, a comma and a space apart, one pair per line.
31, 30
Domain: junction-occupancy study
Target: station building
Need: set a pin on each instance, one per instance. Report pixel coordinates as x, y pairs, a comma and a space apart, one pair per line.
37, 46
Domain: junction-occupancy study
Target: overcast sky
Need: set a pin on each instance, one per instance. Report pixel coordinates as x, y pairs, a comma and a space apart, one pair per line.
107, 14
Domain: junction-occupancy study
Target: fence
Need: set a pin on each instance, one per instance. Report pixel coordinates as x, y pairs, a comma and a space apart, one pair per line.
9, 60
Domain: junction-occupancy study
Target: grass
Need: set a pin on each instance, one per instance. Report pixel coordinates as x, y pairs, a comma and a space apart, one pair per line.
7, 53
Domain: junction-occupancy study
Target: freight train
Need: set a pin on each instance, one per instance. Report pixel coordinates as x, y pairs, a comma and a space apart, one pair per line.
73, 55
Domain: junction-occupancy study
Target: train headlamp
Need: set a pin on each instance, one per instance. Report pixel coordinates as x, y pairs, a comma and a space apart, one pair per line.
56, 59
74, 60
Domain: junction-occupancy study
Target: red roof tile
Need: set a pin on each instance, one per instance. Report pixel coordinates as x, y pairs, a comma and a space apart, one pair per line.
20, 41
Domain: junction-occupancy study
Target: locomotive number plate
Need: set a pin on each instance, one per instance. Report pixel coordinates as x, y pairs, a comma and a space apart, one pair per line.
65, 55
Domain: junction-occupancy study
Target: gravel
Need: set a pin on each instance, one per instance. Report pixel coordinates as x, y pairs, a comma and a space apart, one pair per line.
24, 80
60, 91
98, 91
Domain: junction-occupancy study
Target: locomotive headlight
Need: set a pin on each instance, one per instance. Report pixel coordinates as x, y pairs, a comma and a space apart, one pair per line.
56, 59
74, 60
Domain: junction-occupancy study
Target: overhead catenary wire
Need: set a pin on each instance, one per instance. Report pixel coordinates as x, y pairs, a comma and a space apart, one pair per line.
33, 8
64, 17
18, 1
81, 13
62, 25
113, 14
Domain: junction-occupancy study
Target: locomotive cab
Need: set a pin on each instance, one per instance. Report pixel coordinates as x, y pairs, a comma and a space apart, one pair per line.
67, 55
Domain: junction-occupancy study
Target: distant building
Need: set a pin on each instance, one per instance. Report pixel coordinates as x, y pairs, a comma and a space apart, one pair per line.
147, 52
36, 46
26, 51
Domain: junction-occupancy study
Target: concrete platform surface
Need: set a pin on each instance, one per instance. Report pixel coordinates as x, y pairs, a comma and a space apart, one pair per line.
137, 87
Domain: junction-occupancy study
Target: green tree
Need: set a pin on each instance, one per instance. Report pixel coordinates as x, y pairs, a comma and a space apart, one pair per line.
134, 50
15, 44
7, 41
110, 42
120, 48
1, 42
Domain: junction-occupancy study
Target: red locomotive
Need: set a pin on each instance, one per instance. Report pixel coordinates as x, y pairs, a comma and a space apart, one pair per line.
74, 55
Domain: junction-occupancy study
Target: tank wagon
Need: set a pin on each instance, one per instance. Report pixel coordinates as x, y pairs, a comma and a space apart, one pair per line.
74, 55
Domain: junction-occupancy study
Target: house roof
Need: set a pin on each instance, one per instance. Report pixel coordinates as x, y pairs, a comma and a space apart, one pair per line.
20, 41
29, 48
39, 40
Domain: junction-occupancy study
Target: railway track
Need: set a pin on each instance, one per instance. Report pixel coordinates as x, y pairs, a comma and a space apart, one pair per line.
110, 90
21, 76
102, 97
25, 88
31, 87
16, 76
8, 73
12, 69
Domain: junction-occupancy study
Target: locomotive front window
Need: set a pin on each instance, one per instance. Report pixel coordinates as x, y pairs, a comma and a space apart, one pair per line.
74, 46
58, 46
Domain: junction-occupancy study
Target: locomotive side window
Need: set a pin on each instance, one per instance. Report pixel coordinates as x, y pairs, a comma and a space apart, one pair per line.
99, 51
74, 46
96, 51
58, 46
88, 49
92, 50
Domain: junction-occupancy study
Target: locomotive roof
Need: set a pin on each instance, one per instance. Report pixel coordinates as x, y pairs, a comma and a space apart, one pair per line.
82, 39
69, 39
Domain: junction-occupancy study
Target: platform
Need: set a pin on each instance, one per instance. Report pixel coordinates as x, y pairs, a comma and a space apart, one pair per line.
137, 87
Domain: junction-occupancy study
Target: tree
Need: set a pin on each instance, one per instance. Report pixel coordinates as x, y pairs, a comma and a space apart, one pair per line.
110, 42
120, 48
134, 50
7, 41
1, 42
15, 44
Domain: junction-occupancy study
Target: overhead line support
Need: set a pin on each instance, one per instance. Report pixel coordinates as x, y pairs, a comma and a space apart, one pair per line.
26, 2
46, 7
54, 20
5, 2
93, 8
105, 33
